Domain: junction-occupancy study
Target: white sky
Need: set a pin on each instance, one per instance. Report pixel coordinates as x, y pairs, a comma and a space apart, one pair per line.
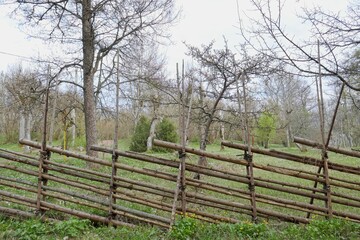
202, 21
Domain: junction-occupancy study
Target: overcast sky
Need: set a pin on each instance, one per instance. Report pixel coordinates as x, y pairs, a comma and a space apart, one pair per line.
201, 22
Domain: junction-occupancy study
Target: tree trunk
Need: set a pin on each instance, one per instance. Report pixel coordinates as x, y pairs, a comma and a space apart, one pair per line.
222, 129
288, 135
149, 144
73, 127
137, 105
266, 143
203, 140
22, 126
28, 120
88, 73
202, 159
25, 128
203, 133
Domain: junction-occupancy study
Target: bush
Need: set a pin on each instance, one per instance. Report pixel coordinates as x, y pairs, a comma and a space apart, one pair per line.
138, 140
165, 131
184, 228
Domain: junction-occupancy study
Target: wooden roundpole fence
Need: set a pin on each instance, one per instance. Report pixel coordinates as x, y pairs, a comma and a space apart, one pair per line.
315, 144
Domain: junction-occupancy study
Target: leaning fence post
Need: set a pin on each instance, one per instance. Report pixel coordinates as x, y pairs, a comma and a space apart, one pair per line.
182, 154
45, 169
182, 157
112, 199
176, 194
40, 182
180, 185
248, 154
115, 156
325, 143
181, 178
326, 185
250, 174
43, 153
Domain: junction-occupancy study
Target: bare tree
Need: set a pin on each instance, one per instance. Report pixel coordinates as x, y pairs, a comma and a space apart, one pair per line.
337, 33
323, 52
146, 87
98, 28
219, 71
347, 128
289, 97
25, 90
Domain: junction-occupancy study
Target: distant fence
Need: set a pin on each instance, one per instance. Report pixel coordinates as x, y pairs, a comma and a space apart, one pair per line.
139, 188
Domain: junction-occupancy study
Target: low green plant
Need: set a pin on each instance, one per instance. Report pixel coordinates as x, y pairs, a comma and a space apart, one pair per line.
250, 230
243, 230
73, 227
27, 230
126, 233
34, 229
319, 229
332, 229
184, 228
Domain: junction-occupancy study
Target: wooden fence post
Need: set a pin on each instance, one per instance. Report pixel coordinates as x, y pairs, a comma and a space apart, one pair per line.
41, 182
45, 170
182, 157
326, 185
324, 154
112, 192
176, 195
114, 156
43, 152
250, 174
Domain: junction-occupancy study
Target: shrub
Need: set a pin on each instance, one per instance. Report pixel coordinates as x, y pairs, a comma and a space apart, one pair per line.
184, 228
165, 131
138, 140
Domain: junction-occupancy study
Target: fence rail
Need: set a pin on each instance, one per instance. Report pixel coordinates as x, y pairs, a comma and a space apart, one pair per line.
139, 188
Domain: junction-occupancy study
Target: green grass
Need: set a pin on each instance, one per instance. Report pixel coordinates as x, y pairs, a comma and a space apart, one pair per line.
185, 228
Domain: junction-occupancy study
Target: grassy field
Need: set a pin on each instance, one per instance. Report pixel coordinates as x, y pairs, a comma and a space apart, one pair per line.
188, 227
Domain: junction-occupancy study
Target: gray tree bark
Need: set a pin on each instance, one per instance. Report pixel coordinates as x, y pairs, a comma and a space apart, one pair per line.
22, 126
149, 143
88, 60
25, 128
